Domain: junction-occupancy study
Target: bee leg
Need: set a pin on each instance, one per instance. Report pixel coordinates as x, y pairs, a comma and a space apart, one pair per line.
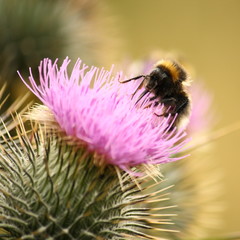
181, 105
181, 109
140, 85
153, 98
155, 104
171, 99
162, 115
142, 95
163, 101
135, 78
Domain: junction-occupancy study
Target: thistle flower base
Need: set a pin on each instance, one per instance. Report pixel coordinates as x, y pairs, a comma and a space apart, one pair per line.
50, 190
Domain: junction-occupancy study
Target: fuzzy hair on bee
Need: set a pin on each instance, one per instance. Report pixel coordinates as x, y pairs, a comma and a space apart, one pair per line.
167, 83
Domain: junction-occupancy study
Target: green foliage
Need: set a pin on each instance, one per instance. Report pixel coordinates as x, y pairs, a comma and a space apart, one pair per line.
31, 30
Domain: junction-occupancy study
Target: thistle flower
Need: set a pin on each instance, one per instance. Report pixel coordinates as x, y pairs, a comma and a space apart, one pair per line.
51, 185
94, 110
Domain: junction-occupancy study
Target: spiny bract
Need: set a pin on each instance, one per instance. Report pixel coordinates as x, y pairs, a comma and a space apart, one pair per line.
50, 190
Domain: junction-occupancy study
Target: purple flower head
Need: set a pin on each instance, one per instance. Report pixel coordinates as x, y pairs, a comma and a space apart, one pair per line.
92, 107
201, 118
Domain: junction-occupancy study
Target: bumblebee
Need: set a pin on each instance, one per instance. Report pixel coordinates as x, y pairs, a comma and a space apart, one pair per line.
167, 83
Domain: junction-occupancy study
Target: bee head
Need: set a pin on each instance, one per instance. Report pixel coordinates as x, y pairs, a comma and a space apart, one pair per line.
157, 77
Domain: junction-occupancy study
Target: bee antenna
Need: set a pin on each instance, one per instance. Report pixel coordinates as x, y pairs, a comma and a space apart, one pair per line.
135, 78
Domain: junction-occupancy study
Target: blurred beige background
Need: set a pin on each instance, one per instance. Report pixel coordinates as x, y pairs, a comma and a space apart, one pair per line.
207, 34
